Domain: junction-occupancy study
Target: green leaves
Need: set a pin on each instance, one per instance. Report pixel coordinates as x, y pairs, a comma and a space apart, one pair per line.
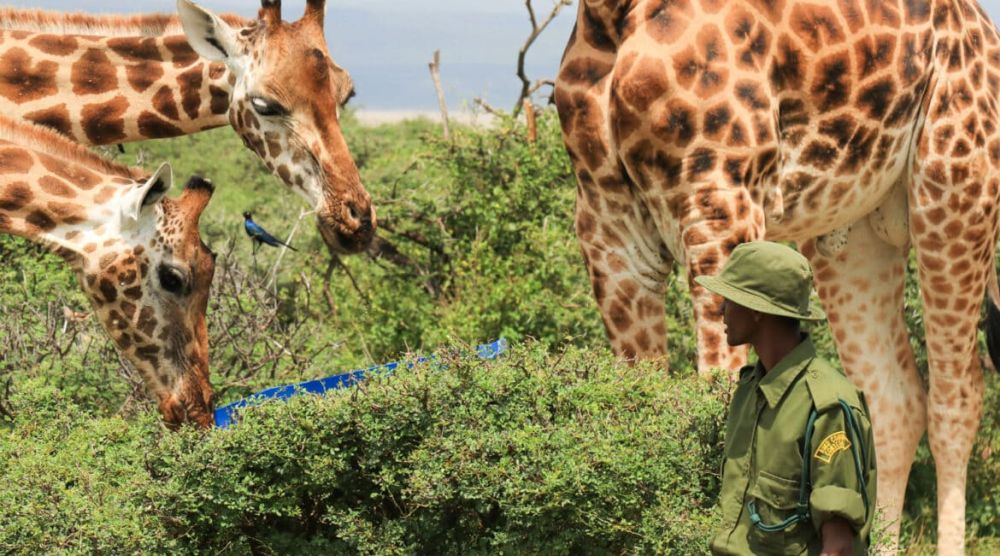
524, 454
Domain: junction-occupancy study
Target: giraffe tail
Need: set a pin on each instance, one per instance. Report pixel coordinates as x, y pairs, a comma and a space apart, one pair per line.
993, 320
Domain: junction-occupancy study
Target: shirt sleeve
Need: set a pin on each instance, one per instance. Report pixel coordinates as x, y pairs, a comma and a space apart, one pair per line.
837, 489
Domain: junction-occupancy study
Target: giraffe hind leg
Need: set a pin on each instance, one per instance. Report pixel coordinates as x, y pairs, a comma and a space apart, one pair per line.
862, 292
954, 251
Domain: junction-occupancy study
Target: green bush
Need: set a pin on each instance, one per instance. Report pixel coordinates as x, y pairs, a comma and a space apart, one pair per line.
532, 453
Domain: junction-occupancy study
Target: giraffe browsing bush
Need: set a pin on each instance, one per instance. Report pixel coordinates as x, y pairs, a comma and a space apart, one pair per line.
138, 255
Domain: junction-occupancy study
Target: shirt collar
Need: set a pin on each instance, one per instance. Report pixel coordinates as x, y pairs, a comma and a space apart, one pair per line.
775, 383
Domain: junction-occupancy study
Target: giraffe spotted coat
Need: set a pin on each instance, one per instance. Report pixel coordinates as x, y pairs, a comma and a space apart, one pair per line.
138, 255
858, 129
113, 79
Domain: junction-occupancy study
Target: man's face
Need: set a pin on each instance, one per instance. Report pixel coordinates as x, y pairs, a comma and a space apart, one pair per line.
741, 323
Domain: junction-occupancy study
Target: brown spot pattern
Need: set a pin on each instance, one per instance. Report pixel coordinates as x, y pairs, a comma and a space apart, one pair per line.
56, 45
93, 73
21, 81
181, 53
15, 196
152, 126
142, 76
14, 160
56, 117
190, 86
56, 187
136, 49
71, 172
163, 102
105, 123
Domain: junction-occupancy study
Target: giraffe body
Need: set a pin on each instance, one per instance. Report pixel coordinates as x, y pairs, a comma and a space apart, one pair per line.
856, 129
109, 79
137, 254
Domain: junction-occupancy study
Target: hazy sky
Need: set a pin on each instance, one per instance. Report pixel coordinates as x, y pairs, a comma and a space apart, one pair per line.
386, 44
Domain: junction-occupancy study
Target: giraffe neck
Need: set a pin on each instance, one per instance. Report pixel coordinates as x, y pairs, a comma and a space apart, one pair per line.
106, 80
58, 194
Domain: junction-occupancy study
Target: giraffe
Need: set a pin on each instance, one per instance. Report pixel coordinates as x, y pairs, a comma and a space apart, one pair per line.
138, 255
859, 130
113, 79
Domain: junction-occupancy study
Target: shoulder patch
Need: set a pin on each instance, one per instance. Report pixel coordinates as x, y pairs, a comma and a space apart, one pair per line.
831, 445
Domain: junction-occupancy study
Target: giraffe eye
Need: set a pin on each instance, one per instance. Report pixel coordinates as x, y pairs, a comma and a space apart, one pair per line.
350, 94
266, 107
172, 279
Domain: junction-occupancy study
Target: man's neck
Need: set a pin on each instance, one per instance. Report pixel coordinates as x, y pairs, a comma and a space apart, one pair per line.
772, 348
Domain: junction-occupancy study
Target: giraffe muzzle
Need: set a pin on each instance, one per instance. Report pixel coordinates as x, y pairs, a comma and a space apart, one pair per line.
192, 401
350, 228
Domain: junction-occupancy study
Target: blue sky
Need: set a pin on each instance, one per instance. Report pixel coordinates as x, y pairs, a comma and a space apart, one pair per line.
386, 44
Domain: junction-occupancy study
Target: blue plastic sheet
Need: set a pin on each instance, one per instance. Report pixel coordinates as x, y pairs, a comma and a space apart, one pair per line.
225, 415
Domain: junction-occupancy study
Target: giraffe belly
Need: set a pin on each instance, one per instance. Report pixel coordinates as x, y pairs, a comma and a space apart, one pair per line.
818, 203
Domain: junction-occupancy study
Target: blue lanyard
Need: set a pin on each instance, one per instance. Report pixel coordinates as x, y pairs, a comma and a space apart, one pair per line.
805, 485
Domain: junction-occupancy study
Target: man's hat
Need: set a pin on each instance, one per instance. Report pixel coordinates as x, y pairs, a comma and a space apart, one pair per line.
767, 277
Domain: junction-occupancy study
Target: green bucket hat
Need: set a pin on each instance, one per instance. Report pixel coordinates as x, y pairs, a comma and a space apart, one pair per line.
767, 277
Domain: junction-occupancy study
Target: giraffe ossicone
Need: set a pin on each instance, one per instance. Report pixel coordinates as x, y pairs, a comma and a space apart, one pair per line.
115, 79
138, 255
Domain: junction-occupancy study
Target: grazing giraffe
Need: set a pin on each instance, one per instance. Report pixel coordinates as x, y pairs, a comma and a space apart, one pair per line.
110, 79
138, 255
856, 129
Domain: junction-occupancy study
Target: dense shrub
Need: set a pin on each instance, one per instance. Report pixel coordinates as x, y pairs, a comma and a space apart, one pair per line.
532, 453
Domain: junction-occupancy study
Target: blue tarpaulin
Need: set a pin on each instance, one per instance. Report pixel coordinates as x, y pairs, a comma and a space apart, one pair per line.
224, 416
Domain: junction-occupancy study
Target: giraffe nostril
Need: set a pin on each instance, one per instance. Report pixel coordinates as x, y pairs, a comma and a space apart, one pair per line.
352, 211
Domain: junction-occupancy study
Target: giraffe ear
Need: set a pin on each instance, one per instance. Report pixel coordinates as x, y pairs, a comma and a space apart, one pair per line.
209, 36
149, 193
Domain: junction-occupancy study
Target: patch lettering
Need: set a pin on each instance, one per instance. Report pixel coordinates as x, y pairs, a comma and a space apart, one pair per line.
836, 442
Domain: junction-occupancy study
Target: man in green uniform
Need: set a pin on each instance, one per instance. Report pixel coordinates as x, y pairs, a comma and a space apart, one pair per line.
799, 471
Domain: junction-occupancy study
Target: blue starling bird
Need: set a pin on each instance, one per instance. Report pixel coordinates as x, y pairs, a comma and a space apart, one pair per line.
260, 235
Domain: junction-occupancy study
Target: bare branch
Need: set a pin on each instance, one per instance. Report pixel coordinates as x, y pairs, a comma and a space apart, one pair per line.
485, 106
284, 248
435, 67
536, 30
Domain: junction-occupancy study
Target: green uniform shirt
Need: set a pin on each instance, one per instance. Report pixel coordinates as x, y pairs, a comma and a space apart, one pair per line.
765, 432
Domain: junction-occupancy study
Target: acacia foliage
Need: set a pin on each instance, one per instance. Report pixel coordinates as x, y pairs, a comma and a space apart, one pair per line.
532, 453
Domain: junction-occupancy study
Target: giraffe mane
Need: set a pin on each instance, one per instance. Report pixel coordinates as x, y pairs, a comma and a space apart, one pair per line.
50, 142
149, 25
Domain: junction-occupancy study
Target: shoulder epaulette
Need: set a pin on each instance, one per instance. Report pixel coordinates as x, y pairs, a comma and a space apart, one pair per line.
827, 386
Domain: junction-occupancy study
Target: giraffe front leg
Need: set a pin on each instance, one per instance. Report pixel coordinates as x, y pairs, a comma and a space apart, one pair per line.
723, 219
628, 266
862, 292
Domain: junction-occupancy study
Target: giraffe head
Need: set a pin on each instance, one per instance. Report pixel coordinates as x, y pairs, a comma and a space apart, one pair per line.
147, 274
285, 105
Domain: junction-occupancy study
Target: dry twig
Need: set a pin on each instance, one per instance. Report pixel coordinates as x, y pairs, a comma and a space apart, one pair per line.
527, 88
435, 67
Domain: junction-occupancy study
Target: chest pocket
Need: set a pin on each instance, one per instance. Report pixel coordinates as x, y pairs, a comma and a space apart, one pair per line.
775, 500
